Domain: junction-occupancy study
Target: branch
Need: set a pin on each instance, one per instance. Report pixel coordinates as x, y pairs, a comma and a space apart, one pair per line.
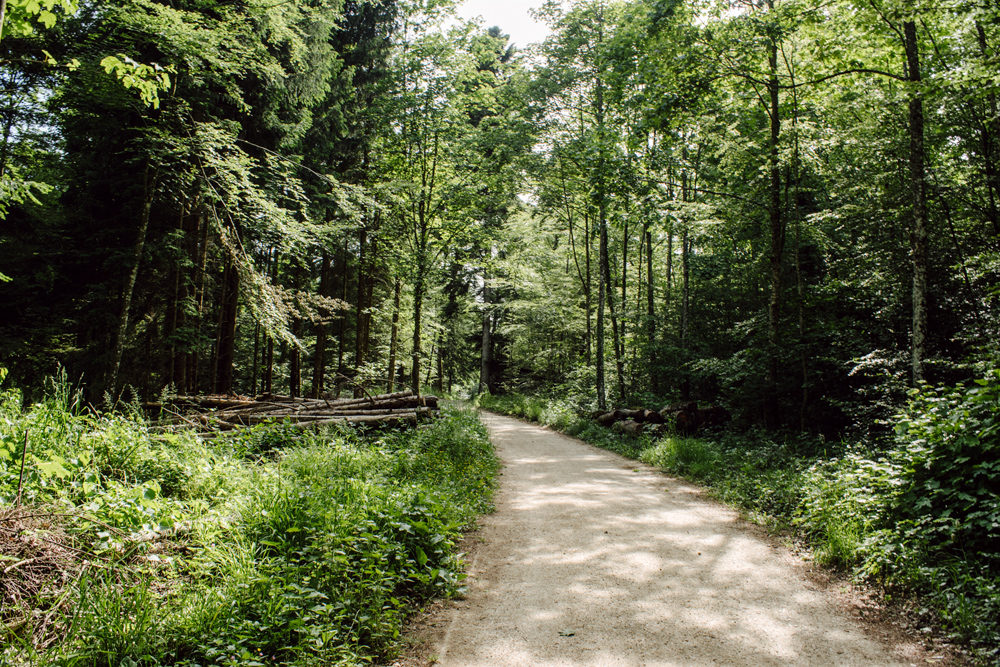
713, 192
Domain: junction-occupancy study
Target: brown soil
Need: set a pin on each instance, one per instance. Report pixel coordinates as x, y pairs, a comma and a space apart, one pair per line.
593, 560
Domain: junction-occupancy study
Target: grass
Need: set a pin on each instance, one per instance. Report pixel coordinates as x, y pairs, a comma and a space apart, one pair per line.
267, 546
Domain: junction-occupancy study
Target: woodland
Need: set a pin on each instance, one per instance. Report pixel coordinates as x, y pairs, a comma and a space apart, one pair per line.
789, 209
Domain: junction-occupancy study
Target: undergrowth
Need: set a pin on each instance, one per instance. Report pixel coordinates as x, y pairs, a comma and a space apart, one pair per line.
916, 515
271, 546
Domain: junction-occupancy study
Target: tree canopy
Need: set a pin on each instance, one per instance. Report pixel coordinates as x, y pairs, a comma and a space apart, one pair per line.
785, 207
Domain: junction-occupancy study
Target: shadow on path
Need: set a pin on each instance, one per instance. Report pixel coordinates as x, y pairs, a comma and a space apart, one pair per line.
591, 561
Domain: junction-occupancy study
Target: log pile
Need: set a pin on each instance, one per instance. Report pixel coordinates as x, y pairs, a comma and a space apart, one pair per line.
681, 418
399, 410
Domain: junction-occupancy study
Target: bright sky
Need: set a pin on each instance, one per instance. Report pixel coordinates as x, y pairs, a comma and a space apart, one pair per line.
511, 15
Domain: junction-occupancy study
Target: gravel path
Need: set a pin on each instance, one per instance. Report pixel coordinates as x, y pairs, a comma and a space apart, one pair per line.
592, 561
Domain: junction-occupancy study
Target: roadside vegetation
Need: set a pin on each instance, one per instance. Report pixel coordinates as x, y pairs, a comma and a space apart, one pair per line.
131, 546
916, 512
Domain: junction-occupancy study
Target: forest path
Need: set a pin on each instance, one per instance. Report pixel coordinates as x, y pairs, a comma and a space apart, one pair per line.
593, 560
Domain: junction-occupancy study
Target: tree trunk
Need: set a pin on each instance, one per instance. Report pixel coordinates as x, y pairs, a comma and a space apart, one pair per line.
919, 233
149, 189
342, 271
602, 212
359, 319
227, 330
989, 135
269, 367
295, 361
588, 291
200, 286
669, 270
174, 309
418, 305
601, 291
440, 363
256, 357
394, 336
319, 359
650, 299
486, 351
777, 233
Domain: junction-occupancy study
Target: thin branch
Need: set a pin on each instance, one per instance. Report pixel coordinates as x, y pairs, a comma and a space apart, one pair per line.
728, 195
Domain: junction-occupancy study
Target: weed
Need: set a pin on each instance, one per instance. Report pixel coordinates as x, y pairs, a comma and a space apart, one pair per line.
267, 546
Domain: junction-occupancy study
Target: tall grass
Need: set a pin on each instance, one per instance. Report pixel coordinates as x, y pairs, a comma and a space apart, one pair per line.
270, 546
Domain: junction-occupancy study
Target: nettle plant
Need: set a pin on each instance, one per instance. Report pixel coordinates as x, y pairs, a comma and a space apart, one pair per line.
949, 457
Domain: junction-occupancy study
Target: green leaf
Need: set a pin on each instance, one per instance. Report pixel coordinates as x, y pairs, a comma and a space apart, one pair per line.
53, 468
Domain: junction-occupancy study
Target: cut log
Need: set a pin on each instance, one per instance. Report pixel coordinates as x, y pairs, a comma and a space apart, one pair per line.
629, 427
225, 413
607, 418
652, 417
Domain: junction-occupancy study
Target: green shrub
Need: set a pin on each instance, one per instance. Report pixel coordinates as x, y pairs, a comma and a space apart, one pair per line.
285, 547
949, 457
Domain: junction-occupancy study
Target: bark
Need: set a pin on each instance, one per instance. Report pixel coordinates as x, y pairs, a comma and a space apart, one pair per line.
604, 260
430, 362
394, 335
149, 189
256, 355
295, 362
227, 331
342, 271
685, 270
988, 137
188, 294
589, 291
917, 178
650, 299
319, 359
777, 233
418, 305
669, 270
172, 320
685, 287
486, 350
200, 288
582, 273
604, 282
269, 367
440, 363
3, 19
359, 318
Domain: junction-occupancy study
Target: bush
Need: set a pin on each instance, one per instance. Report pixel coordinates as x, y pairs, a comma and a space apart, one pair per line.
265, 546
949, 457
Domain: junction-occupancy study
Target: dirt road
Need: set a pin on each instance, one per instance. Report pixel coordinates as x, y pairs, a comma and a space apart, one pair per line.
592, 560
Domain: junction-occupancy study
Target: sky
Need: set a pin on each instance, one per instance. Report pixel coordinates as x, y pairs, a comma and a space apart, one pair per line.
511, 15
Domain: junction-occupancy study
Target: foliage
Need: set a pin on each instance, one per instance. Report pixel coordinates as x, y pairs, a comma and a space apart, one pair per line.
270, 545
23, 15
949, 499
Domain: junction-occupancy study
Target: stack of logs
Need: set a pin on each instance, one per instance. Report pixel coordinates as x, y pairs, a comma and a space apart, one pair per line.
399, 410
680, 418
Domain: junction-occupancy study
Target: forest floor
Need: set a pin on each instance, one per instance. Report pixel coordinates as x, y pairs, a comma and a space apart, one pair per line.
594, 560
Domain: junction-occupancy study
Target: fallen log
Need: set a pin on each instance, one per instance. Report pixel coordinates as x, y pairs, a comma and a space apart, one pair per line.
629, 426
226, 413
652, 417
